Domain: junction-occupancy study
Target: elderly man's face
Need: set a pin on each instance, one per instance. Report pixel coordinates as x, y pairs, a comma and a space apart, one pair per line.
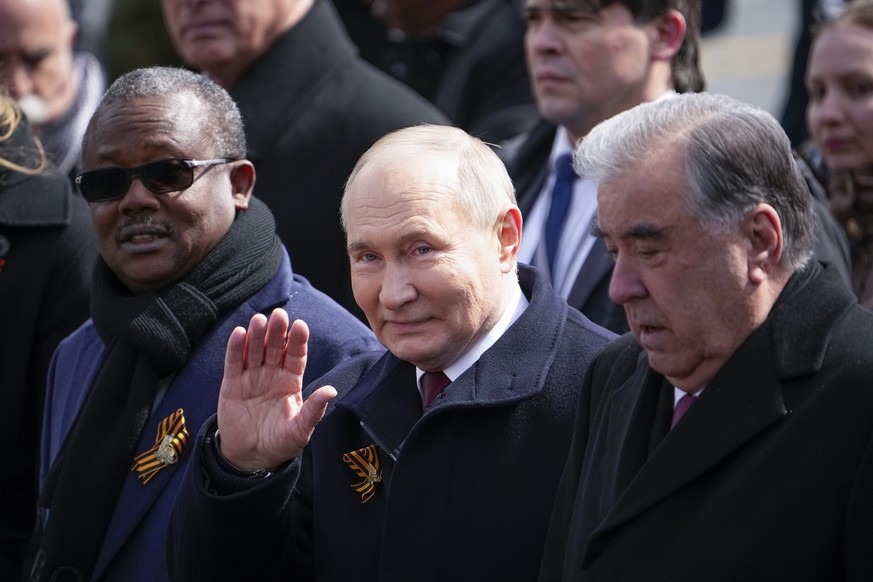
685, 288
585, 66
36, 56
222, 37
429, 281
150, 240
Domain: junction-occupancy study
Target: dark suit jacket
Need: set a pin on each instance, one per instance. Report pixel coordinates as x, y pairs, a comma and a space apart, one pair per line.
527, 157
311, 107
133, 549
769, 475
466, 489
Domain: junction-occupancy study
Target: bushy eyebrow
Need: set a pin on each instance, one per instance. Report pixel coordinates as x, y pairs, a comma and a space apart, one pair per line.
643, 231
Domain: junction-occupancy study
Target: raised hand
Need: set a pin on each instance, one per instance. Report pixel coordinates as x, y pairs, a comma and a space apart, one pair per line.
262, 417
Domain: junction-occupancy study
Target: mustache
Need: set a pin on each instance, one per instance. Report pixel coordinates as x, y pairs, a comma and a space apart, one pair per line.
143, 224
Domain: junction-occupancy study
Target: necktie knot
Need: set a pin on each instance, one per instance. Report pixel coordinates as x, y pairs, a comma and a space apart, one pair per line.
682, 407
432, 384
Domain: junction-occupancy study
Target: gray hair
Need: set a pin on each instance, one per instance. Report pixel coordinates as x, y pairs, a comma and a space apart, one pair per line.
484, 188
736, 156
222, 123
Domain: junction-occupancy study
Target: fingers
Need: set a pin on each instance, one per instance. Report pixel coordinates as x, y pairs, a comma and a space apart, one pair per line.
297, 347
255, 341
277, 329
234, 355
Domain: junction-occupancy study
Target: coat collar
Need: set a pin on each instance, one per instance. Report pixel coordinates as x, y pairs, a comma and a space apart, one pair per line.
513, 369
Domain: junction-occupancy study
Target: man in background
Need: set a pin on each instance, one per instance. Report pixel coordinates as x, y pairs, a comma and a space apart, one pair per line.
589, 60
57, 88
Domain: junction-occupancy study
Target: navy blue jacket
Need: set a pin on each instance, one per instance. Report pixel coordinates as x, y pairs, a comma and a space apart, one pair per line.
133, 549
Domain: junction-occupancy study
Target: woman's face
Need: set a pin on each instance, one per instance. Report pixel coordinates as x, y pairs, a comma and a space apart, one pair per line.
839, 79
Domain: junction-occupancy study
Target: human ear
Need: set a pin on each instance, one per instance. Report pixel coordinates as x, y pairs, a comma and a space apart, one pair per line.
669, 30
242, 181
763, 228
509, 238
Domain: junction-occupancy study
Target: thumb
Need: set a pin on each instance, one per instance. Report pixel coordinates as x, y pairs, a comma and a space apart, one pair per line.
313, 409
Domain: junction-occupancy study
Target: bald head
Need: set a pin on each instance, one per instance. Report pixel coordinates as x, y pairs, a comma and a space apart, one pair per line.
36, 56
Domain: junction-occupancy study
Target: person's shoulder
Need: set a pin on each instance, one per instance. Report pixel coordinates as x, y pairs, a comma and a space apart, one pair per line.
377, 93
310, 304
80, 351
619, 358
347, 374
529, 149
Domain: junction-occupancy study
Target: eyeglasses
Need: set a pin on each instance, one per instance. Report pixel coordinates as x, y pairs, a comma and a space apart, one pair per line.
160, 177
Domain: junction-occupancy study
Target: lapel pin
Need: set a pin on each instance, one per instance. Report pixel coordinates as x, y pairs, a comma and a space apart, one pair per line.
365, 463
169, 443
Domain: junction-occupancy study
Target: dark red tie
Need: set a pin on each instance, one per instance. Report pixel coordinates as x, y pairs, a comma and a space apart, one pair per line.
682, 407
432, 383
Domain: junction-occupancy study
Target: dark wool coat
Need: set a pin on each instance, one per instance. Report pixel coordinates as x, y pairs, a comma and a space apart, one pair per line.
47, 256
769, 475
133, 549
466, 489
311, 107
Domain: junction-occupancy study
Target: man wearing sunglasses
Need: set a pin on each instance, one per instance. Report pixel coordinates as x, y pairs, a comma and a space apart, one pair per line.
187, 254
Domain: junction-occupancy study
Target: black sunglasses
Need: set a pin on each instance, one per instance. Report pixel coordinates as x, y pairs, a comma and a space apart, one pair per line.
160, 177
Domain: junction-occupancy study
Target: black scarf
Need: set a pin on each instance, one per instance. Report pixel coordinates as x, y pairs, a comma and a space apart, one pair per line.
148, 337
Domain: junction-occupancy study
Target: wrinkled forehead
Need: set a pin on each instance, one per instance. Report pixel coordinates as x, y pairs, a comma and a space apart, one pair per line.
140, 121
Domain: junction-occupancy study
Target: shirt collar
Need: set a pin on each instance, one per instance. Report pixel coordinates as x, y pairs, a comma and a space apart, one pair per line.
515, 306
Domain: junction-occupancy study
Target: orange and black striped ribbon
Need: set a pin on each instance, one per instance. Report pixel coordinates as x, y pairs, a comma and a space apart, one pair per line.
169, 443
365, 463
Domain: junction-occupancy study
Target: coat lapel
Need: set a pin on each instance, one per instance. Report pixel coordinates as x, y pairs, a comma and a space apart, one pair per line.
737, 405
194, 390
597, 266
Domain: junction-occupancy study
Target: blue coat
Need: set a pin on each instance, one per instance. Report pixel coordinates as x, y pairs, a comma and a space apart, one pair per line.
466, 489
134, 545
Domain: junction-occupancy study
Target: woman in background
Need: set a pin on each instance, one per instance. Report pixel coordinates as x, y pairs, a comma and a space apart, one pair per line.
839, 80
47, 254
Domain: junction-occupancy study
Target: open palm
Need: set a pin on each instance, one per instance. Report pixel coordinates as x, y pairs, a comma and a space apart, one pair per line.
262, 417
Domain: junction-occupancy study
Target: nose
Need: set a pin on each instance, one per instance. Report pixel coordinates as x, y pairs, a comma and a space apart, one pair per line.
543, 37
397, 286
626, 284
828, 109
138, 198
